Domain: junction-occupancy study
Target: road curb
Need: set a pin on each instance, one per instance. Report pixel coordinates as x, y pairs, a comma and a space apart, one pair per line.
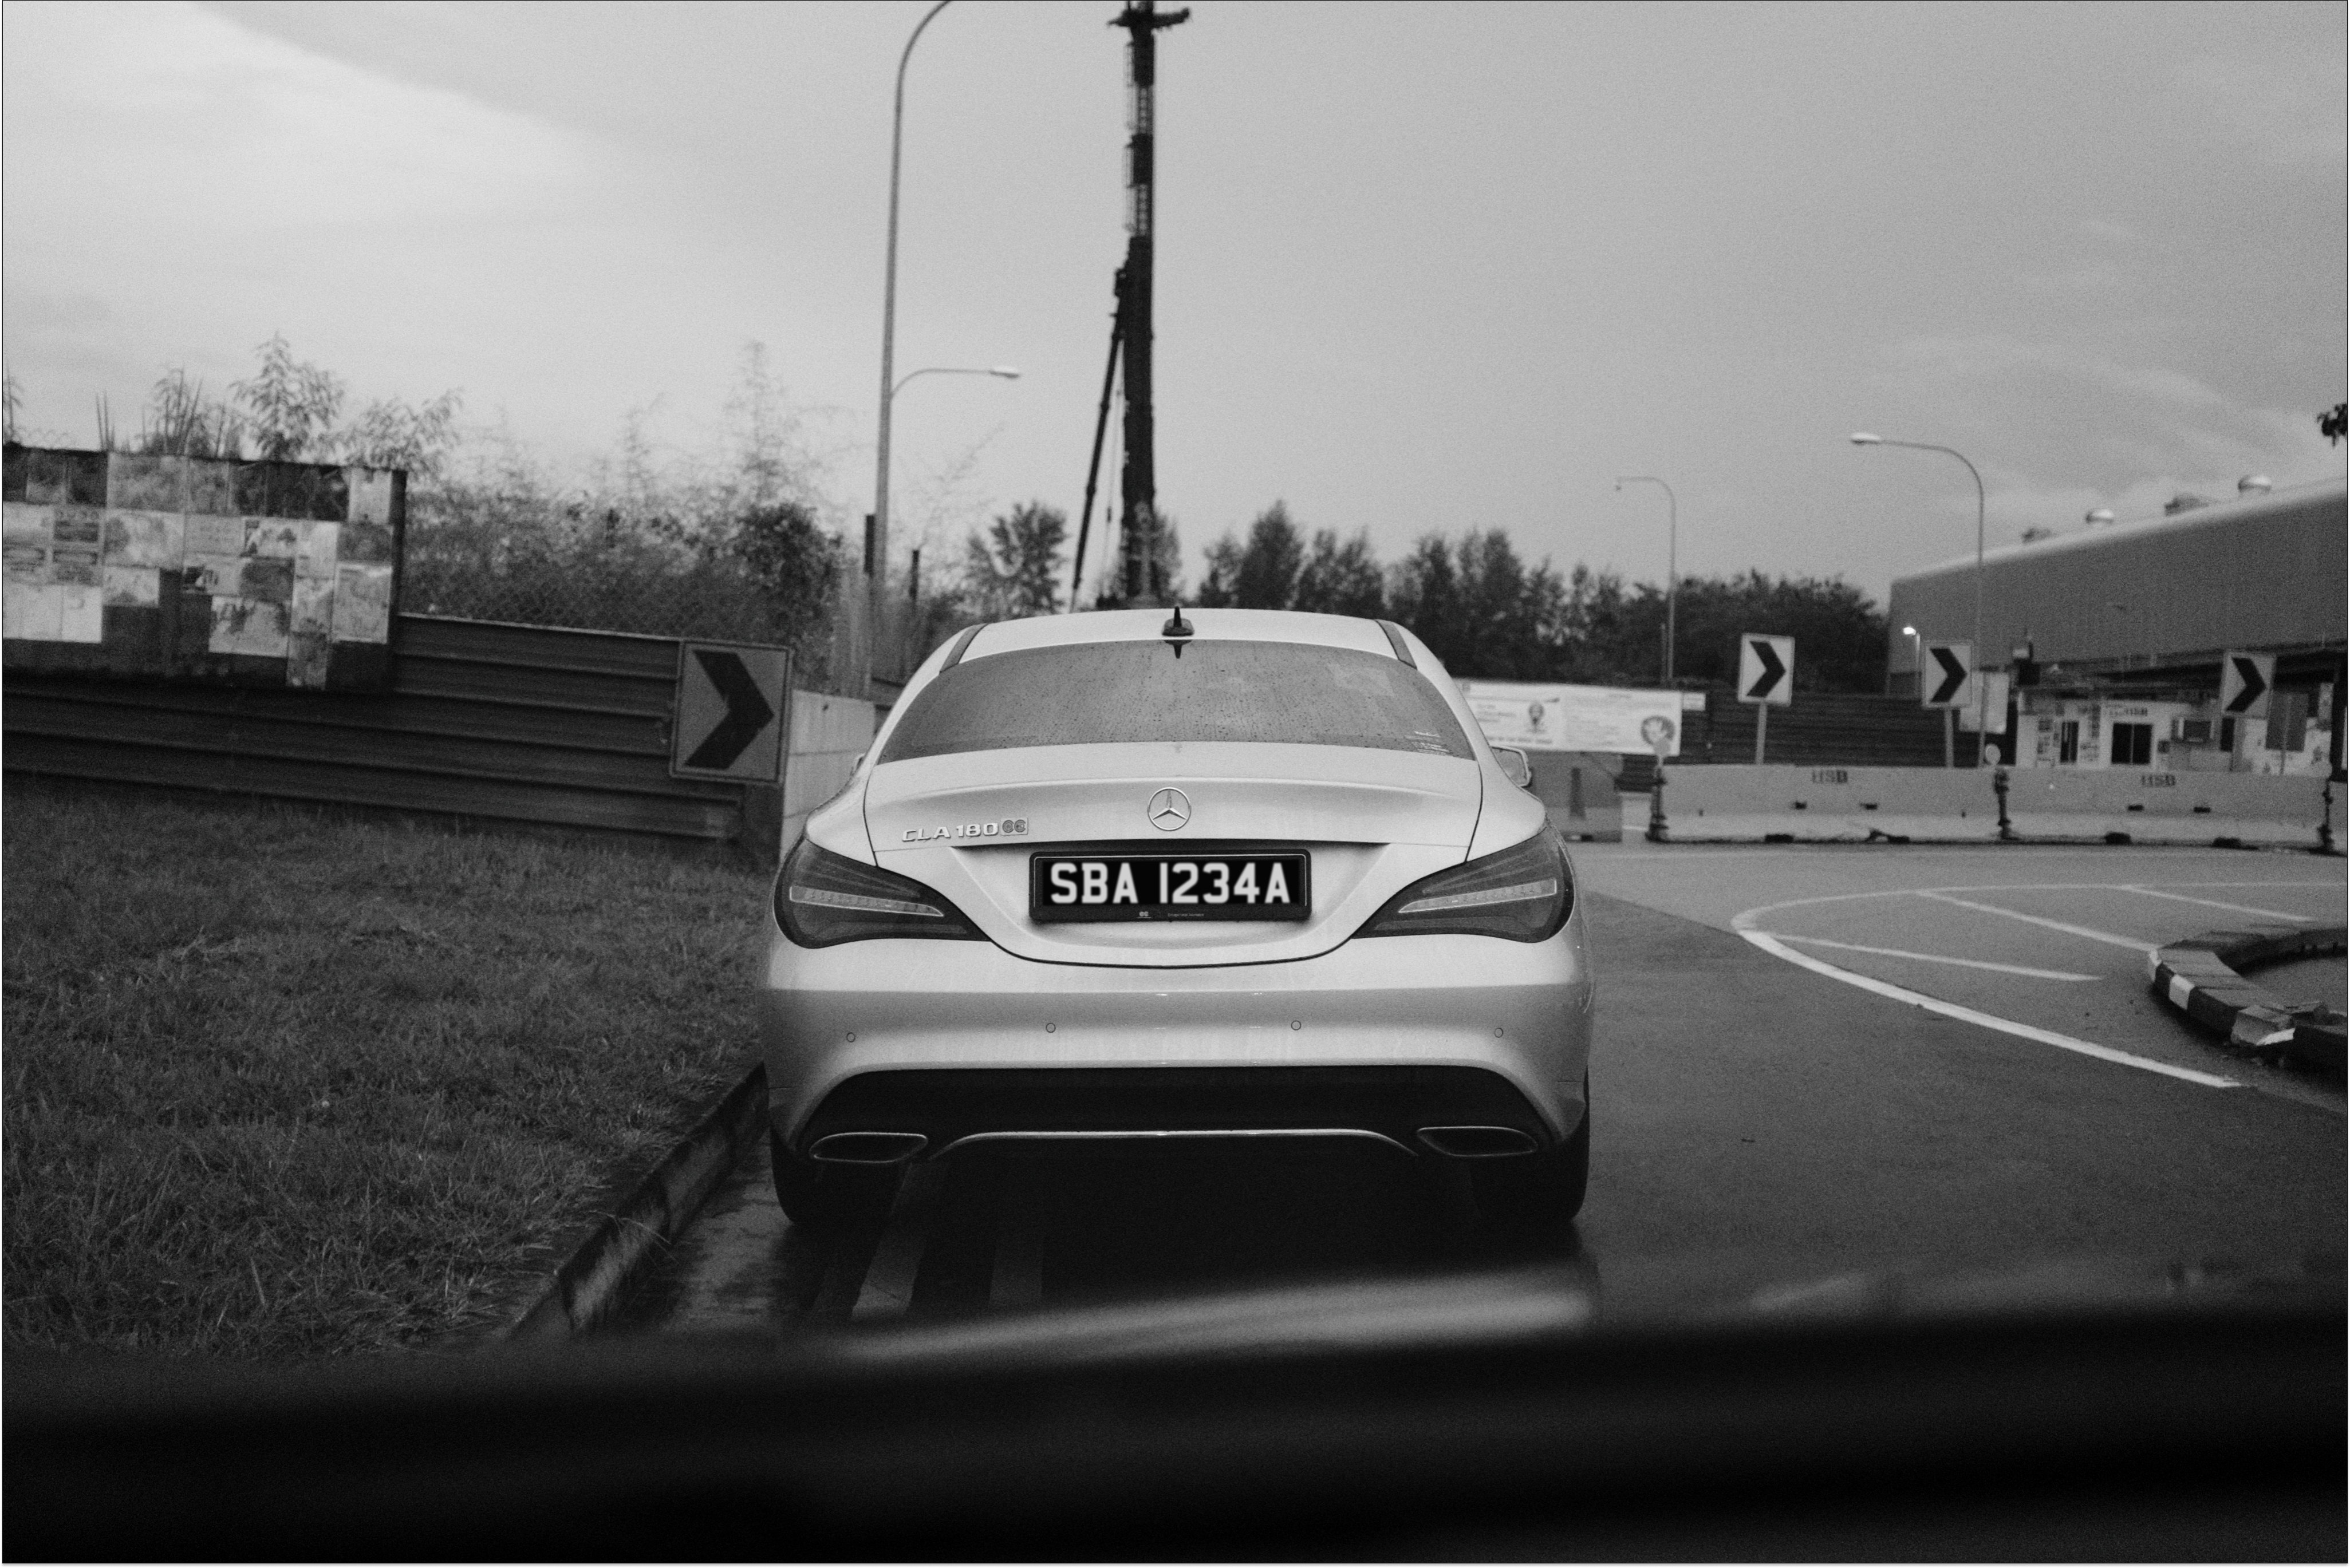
2199, 977
639, 1229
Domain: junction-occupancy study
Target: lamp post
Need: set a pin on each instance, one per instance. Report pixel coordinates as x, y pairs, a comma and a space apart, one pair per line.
1917, 657
870, 615
1982, 689
1007, 372
1673, 555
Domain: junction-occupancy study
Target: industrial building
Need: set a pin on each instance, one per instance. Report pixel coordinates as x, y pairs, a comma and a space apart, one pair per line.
2117, 636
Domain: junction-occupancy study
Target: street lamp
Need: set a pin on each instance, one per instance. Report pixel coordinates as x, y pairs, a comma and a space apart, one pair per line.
1007, 372
1917, 657
871, 617
1983, 688
1672, 554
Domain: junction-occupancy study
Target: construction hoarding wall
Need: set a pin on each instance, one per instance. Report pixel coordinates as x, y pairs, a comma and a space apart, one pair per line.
519, 723
1833, 804
162, 567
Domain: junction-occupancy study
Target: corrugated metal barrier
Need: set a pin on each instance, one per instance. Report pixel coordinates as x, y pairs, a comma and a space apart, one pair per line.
1844, 729
523, 723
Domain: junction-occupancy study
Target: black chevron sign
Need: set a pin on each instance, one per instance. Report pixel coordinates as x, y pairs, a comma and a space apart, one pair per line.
1772, 669
728, 712
1949, 675
747, 713
2251, 683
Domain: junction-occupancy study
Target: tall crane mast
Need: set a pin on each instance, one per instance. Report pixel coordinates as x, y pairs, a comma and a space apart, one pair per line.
1137, 484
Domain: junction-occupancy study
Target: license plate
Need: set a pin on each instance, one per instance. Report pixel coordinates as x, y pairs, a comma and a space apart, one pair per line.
1070, 887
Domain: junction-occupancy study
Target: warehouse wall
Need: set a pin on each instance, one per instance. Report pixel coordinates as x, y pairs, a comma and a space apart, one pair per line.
2253, 573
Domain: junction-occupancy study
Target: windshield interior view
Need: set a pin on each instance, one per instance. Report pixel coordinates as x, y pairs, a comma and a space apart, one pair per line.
665, 899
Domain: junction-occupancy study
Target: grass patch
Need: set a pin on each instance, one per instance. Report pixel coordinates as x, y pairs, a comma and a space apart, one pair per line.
285, 1083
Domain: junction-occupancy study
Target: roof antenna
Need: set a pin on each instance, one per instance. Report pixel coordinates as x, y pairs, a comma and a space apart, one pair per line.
1175, 630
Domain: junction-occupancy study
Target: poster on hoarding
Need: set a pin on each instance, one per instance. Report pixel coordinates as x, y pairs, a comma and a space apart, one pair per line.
1541, 718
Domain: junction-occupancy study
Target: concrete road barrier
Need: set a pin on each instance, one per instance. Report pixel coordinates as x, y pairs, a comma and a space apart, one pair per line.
1579, 789
2151, 806
1739, 804
1736, 804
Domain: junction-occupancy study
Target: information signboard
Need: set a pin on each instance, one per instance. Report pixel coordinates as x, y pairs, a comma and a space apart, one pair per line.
1558, 718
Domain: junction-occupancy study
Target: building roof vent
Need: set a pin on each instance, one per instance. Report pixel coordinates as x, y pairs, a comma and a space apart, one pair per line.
2254, 485
2102, 517
2185, 501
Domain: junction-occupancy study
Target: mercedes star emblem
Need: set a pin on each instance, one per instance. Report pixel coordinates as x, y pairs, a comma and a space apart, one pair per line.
1169, 810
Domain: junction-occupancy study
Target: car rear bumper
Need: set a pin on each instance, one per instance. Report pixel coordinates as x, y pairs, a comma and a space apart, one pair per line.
1379, 1037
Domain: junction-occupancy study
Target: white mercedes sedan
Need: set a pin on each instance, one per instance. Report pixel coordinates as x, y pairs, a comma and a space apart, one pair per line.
1199, 873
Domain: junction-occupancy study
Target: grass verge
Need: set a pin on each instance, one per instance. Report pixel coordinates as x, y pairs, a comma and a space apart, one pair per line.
279, 1083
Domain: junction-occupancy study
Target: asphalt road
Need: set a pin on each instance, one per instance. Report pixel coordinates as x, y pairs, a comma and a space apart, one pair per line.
1761, 1126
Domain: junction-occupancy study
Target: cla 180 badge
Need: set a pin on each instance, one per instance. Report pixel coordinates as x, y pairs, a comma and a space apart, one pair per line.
1011, 827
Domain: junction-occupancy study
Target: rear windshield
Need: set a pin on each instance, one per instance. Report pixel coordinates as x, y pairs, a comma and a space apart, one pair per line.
1107, 693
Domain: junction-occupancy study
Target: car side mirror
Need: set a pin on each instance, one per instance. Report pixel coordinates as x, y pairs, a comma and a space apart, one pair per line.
1516, 765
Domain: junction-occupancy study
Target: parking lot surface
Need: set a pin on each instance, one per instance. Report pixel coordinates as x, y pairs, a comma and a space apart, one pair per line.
1760, 1125
2047, 939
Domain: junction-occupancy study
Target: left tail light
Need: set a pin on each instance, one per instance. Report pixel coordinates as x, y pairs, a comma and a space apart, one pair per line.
1524, 893
823, 899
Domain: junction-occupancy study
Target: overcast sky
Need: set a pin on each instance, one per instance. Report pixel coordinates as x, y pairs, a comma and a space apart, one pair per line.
1419, 267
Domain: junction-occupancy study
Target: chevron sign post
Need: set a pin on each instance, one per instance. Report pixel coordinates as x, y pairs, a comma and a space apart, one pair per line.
2244, 683
1766, 678
732, 702
1943, 683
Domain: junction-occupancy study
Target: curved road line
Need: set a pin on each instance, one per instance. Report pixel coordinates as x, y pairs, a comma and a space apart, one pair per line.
1934, 958
1743, 923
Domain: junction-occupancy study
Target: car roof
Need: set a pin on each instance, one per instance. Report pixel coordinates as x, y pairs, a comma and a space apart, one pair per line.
1208, 625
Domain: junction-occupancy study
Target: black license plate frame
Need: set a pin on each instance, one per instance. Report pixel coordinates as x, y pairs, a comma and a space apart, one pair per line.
1144, 866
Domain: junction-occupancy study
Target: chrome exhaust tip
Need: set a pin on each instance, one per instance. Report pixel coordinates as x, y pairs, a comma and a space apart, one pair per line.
1477, 1142
869, 1147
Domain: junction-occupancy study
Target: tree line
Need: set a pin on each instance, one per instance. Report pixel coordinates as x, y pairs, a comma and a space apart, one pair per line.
1473, 598
746, 541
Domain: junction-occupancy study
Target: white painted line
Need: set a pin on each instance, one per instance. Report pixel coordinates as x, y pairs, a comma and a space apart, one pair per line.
1777, 949
1934, 958
2108, 937
2239, 909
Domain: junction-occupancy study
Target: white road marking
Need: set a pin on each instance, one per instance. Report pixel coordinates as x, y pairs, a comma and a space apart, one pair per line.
1933, 957
1777, 949
2132, 943
2239, 909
